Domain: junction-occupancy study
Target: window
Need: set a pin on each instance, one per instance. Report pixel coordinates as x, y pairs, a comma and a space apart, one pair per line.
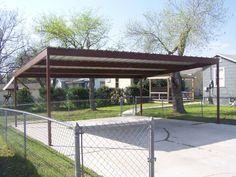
117, 83
221, 76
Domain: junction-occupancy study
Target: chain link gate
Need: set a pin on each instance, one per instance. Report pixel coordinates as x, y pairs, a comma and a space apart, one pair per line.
116, 149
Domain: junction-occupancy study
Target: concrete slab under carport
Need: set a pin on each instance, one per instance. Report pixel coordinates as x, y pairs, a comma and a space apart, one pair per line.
195, 149
182, 148
187, 148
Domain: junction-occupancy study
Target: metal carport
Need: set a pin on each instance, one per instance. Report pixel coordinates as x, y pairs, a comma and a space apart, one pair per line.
80, 63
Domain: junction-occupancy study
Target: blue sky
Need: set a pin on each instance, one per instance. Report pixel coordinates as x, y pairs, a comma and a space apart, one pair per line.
119, 12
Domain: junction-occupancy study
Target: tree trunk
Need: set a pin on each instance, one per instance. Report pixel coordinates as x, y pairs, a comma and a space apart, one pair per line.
41, 82
54, 82
91, 94
176, 86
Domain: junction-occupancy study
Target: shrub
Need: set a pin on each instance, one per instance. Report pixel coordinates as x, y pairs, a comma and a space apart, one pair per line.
75, 95
103, 96
115, 95
24, 97
131, 92
134, 91
58, 95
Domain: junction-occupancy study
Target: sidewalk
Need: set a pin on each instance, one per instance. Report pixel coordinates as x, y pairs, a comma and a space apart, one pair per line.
131, 112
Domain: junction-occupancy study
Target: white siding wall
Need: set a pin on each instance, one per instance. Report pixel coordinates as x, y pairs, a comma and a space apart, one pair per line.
98, 83
111, 83
123, 83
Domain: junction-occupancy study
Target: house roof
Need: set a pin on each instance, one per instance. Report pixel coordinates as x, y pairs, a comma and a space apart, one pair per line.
80, 63
231, 58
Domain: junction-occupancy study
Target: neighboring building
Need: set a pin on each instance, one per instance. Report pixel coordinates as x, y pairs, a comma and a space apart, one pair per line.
227, 80
160, 87
82, 82
33, 87
118, 83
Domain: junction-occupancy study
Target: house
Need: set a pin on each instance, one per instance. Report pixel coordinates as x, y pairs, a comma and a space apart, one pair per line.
227, 76
81, 82
118, 83
227, 79
6, 95
160, 87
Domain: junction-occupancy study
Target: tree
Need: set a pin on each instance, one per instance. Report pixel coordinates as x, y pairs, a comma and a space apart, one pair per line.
80, 31
27, 53
182, 25
11, 40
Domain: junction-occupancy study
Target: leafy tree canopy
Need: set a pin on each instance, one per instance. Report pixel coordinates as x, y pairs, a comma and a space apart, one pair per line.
80, 30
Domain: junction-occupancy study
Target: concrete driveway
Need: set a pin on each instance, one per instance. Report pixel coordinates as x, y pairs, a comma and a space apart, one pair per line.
182, 148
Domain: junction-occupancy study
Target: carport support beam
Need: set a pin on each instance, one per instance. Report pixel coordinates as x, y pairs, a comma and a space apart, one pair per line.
141, 96
218, 92
48, 98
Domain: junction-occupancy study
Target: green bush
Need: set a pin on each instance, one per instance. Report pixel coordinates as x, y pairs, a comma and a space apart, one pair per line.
77, 97
58, 95
24, 99
77, 93
24, 96
115, 96
103, 96
131, 92
134, 91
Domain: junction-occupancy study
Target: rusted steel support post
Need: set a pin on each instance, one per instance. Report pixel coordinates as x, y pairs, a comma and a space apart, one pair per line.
218, 92
48, 98
15, 99
141, 96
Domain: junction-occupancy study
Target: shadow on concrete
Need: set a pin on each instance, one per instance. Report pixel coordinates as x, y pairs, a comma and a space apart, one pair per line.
170, 135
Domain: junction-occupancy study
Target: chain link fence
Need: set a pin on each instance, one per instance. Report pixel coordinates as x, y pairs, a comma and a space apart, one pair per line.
108, 147
201, 109
28, 135
117, 149
69, 110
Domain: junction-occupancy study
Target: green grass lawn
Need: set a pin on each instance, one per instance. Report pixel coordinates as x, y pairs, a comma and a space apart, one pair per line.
102, 112
194, 113
13, 164
41, 161
83, 114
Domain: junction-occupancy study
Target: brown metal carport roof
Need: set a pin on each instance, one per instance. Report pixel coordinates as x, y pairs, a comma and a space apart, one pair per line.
80, 63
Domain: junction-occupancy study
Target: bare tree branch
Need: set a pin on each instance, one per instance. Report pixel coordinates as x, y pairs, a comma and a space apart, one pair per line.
11, 40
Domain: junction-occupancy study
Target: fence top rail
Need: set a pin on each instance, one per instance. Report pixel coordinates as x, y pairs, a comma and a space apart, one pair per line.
39, 116
113, 122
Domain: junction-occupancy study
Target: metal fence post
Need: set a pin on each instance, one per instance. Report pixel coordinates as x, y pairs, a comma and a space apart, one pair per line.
121, 105
6, 126
151, 159
25, 138
77, 151
202, 108
162, 107
135, 105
